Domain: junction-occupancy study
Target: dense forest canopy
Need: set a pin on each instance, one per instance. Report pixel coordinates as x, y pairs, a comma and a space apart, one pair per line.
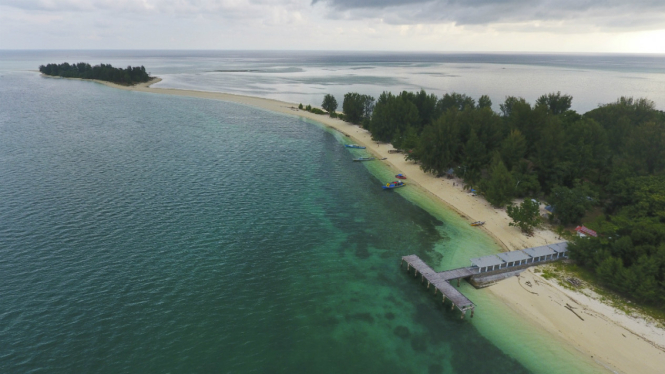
128, 76
610, 161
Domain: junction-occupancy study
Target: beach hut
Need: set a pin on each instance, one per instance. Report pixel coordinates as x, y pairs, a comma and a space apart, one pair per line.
561, 249
585, 231
539, 254
450, 174
514, 258
488, 263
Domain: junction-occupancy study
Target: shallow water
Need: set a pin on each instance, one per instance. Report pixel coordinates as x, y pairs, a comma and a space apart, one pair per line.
305, 77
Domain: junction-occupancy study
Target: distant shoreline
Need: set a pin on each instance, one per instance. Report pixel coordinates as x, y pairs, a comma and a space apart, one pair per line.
603, 334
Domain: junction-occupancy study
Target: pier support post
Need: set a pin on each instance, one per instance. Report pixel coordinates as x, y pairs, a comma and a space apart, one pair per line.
458, 282
428, 285
408, 267
415, 273
444, 298
452, 306
422, 278
435, 289
400, 263
463, 313
472, 309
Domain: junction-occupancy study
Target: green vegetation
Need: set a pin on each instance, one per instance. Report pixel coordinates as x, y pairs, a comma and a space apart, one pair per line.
357, 108
525, 216
329, 104
129, 76
609, 161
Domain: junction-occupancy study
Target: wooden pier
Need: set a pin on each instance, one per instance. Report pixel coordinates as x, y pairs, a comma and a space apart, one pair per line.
440, 282
487, 269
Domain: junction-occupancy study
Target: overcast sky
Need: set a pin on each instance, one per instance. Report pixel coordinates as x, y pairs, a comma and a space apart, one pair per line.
399, 25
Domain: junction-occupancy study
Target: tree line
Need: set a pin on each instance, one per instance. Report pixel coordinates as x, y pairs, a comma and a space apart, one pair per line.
610, 160
129, 76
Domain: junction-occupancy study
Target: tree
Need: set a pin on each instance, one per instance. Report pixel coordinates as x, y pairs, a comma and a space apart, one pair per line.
513, 148
455, 100
329, 103
526, 181
646, 147
484, 102
571, 204
526, 216
393, 115
438, 145
475, 157
499, 188
555, 102
357, 107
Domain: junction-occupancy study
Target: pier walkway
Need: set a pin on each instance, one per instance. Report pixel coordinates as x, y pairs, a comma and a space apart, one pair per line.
501, 265
440, 282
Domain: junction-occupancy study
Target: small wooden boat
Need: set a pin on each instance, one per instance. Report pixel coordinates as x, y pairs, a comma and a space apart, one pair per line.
354, 146
400, 176
477, 223
363, 159
393, 185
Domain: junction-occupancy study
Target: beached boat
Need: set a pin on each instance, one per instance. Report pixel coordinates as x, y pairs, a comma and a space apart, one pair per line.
363, 159
354, 146
400, 176
478, 223
393, 185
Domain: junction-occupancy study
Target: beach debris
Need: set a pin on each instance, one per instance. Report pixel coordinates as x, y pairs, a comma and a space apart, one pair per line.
571, 309
574, 282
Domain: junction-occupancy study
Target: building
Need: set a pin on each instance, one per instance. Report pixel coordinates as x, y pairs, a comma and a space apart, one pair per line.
521, 257
585, 231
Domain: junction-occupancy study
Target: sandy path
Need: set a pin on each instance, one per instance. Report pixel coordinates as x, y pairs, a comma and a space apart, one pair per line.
617, 341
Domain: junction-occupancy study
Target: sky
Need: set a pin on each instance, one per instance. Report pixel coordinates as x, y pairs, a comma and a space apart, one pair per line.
586, 26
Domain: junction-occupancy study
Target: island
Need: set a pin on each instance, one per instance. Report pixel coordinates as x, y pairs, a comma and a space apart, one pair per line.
103, 72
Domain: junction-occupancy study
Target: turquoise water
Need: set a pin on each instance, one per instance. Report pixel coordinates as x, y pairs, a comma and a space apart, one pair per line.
145, 233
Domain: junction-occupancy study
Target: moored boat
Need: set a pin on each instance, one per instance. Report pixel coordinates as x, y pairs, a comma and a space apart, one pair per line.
477, 223
363, 159
400, 176
354, 146
393, 185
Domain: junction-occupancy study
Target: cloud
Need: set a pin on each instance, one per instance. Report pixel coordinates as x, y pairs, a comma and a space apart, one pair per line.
209, 7
602, 14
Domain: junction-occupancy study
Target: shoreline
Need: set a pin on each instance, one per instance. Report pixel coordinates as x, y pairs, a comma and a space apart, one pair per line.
616, 341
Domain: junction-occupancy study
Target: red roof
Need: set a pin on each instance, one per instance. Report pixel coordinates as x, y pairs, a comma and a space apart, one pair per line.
586, 230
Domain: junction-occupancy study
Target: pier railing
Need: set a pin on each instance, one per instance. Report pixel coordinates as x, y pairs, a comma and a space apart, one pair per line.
507, 262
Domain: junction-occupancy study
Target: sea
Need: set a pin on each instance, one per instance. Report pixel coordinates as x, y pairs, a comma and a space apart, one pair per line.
143, 233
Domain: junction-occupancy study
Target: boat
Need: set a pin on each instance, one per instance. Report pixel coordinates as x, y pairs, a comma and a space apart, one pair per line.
477, 223
354, 146
393, 185
400, 176
363, 159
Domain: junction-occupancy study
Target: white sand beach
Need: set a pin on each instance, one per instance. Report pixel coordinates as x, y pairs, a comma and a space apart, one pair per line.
618, 342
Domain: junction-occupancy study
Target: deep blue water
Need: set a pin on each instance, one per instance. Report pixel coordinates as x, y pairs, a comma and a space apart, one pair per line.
144, 233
